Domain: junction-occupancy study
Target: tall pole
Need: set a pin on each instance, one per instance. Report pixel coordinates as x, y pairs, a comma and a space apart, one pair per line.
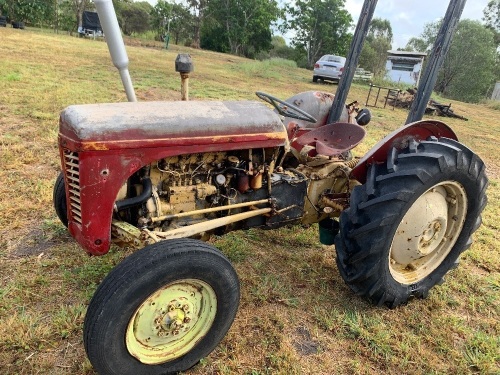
436, 58
352, 60
109, 23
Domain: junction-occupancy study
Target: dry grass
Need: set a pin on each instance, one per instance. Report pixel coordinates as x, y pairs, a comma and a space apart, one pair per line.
296, 314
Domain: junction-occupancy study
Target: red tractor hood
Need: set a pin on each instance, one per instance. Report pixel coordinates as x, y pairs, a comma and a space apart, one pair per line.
159, 124
101, 145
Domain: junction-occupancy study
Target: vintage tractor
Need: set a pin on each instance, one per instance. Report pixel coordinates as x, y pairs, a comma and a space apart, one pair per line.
163, 176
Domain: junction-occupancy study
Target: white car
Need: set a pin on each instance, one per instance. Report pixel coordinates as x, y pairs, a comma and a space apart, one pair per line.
329, 67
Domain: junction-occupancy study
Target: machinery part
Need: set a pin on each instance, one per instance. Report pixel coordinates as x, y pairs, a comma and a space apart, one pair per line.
331, 139
138, 200
59, 199
285, 109
408, 224
363, 117
398, 140
161, 310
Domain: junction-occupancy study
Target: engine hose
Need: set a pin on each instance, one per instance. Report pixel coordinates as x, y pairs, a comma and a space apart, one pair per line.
147, 190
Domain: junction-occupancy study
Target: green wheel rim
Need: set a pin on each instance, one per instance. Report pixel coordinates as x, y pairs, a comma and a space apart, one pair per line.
171, 321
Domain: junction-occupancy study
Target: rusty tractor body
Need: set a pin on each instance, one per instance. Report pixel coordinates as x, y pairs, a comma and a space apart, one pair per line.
162, 177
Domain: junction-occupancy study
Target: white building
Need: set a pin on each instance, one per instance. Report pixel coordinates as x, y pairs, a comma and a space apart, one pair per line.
496, 92
404, 66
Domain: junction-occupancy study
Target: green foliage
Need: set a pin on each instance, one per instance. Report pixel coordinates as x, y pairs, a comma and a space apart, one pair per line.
174, 19
470, 67
378, 42
321, 27
243, 27
30, 11
134, 17
492, 18
468, 70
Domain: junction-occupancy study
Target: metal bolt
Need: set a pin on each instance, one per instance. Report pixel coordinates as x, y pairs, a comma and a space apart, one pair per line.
176, 332
185, 307
187, 319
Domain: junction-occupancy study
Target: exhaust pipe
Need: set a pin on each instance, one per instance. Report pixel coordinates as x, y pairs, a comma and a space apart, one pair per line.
109, 23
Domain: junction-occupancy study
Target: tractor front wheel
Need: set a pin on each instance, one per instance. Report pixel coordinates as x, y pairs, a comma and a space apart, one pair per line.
59, 200
408, 224
161, 310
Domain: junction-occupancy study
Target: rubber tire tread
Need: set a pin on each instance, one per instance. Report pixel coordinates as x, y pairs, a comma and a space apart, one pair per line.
142, 273
363, 247
59, 199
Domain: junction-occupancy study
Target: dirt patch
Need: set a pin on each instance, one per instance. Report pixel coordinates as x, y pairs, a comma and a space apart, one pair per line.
304, 344
33, 243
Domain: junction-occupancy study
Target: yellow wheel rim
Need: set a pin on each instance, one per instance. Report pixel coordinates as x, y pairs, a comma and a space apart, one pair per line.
428, 232
171, 321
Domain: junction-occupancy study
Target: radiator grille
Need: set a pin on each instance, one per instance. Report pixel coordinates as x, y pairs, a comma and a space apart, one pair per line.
72, 170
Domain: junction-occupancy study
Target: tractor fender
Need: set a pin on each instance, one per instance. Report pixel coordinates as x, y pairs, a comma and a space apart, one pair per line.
419, 131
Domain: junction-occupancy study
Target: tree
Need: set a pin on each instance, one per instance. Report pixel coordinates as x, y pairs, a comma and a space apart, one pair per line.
135, 17
198, 7
173, 18
245, 24
79, 6
378, 41
320, 26
468, 69
492, 18
29, 11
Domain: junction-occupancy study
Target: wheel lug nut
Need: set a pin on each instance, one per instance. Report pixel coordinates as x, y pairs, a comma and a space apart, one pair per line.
185, 307
187, 319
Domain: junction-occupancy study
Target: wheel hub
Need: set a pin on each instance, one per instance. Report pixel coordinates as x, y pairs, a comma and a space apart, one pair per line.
428, 231
171, 321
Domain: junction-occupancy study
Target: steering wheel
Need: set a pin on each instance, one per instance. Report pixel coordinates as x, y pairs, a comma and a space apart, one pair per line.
284, 108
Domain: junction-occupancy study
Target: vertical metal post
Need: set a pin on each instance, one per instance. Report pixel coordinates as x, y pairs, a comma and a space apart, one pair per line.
439, 51
352, 60
116, 47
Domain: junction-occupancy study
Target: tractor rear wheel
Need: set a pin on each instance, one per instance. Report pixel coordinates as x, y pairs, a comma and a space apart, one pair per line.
59, 200
408, 224
161, 310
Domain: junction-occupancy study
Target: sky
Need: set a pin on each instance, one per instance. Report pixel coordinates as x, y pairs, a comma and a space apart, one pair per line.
408, 17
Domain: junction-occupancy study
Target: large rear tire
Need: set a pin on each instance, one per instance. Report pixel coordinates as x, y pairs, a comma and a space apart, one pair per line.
161, 310
408, 224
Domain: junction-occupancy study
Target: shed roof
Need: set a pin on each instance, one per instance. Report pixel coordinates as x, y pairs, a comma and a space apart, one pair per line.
407, 53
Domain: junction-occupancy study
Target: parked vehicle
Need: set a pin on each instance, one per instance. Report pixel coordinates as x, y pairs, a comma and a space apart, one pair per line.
18, 25
3, 21
162, 176
329, 68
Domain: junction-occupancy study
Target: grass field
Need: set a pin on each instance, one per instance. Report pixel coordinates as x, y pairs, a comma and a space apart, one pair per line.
296, 314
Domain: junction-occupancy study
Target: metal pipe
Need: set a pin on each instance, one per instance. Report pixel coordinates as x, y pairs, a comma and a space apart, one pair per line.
193, 229
352, 60
147, 189
439, 51
208, 210
109, 23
